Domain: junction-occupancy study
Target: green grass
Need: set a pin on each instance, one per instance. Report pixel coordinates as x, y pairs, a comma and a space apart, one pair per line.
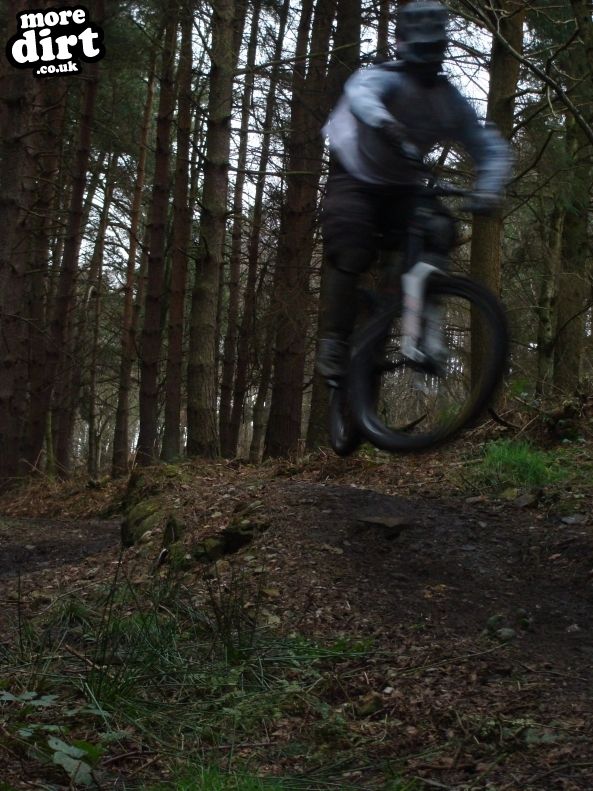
216, 780
508, 463
188, 678
213, 779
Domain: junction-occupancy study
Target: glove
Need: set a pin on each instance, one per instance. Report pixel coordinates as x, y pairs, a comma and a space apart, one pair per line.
484, 203
412, 154
394, 133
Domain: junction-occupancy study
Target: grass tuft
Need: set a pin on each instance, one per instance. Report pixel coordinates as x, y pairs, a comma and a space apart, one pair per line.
507, 463
158, 670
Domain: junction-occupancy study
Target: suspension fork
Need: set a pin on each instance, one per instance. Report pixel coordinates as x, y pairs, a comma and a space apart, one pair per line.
421, 320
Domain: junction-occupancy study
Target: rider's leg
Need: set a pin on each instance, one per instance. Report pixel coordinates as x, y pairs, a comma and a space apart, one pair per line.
349, 225
339, 300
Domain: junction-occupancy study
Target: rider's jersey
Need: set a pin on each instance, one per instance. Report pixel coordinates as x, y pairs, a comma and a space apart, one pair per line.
428, 113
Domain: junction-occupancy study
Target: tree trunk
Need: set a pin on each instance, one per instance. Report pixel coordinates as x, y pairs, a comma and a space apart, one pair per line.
64, 300
383, 30
546, 301
16, 198
246, 330
573, 279
582, 13
121, 441
485, 255
94, 310
171, 447
296, 240
344, 61
230, 341
260, 406
49, 104
202, 435
150, 348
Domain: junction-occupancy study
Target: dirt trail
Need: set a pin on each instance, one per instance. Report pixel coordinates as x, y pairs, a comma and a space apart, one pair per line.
352, 555
452, 563
31, 545
430, 581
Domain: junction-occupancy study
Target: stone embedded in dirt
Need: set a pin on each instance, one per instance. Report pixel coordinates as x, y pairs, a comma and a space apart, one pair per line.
392, 526
333, 550
525, 500
208, 550
387, 521
399, 577
230, 540
480, 498
505, 634
248, 508
574, 519
368, 704
510, 494
141, 518
494, 622
573, 628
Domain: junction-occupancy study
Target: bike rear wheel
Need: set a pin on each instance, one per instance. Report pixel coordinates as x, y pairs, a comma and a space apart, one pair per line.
401, 406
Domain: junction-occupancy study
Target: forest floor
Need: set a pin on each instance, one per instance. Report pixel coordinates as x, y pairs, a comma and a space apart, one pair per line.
403, 624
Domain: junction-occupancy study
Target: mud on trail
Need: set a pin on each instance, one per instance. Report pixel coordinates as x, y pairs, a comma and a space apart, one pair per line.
477, 616
28, 545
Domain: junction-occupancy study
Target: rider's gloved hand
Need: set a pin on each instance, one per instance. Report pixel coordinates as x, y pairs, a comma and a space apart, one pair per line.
395, 134
484, 203
411, 153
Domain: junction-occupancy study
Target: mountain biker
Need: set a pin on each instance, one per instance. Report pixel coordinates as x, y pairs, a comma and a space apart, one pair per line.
389, 116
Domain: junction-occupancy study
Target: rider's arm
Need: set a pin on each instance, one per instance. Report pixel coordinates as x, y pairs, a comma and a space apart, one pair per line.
492, 154
367, 91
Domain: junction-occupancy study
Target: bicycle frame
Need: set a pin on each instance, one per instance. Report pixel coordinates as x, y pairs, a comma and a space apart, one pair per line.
420, 321
422, 341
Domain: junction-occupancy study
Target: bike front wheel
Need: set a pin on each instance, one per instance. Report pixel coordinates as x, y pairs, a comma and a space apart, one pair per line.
403, 406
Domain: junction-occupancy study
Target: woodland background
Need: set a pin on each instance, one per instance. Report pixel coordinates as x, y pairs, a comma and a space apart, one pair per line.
161, 264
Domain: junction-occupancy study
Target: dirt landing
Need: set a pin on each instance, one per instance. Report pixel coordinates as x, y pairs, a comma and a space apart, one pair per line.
476, 617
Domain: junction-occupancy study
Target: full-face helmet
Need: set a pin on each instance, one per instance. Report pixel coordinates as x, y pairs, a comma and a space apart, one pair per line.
422, 32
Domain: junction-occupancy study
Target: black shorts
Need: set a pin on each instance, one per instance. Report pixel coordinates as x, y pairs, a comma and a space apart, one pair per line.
359, 215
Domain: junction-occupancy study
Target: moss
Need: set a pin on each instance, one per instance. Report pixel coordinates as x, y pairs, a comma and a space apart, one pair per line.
142, 511
171, 471
141, 518
179, 558
141, 487
209, 549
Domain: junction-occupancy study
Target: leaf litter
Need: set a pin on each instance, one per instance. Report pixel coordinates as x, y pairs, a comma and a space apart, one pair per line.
369, 553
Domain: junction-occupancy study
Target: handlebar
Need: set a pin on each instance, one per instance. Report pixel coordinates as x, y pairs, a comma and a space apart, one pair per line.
444, 189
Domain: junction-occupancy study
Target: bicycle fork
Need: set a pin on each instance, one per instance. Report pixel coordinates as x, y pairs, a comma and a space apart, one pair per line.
422, 325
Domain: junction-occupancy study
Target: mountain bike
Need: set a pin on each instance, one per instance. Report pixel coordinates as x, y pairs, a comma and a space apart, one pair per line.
410, 384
